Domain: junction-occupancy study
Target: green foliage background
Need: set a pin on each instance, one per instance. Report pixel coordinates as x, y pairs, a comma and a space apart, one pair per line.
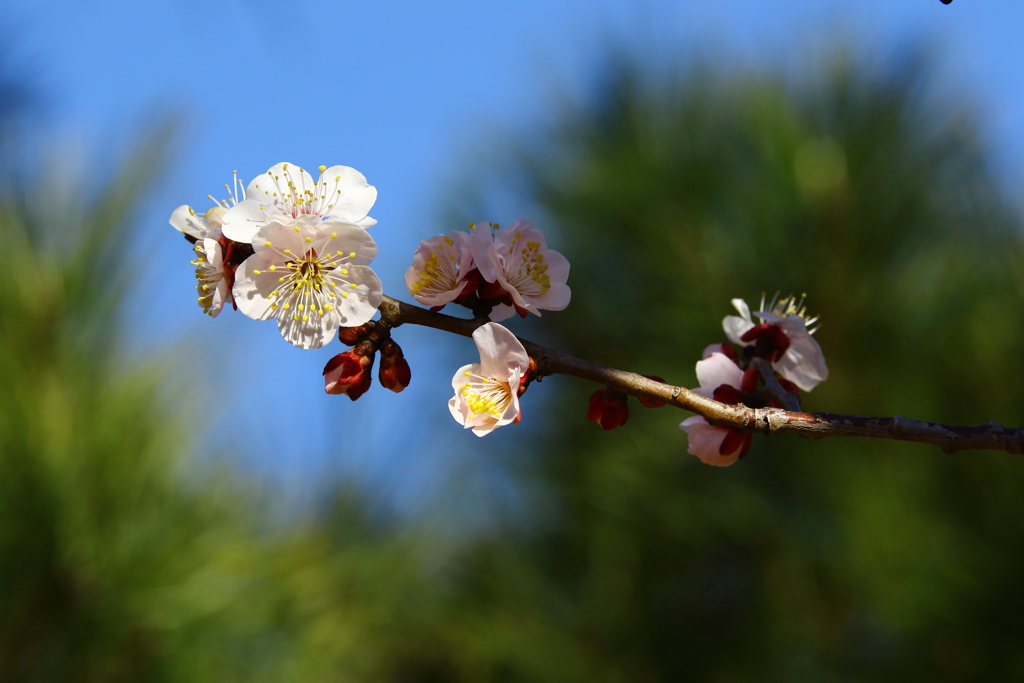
122, 559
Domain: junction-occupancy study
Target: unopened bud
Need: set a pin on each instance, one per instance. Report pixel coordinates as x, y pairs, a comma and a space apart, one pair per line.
652, 402
394, 370
608, 408
349, 373
350, 336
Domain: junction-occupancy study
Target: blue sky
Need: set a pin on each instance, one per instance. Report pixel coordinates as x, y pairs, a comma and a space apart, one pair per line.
408, 93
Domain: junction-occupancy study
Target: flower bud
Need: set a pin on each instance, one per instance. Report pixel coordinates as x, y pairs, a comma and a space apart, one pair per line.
394, 370
350, 336
652, 402
608, 408
349, 373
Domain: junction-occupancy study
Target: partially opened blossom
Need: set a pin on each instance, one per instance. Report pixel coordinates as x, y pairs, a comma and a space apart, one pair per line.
782, 337
288, 191
440, 268
349, 373
487, 393
209, 223
312, 276
721, 379
213, 277
519, 265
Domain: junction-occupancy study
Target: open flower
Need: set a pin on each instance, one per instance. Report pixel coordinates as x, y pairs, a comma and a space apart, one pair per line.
519, 262
312, 276
439, 269
721, 379
782, 338
286, 190
487, 393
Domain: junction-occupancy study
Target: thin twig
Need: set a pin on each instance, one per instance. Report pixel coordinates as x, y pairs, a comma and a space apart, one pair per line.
773, 388
950, 438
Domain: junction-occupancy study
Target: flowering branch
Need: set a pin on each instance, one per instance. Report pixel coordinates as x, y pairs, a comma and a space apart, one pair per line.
950, 438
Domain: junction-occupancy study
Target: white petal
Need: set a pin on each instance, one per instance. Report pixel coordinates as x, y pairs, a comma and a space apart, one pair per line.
349, 195
500, 352
251, 291
363, 300
744, 310
484, 253
735, 327
710, 349
348, 238
555, 299
716, 370
502, 312
243, 220
312, 333
187, 222
803, 363
213, 253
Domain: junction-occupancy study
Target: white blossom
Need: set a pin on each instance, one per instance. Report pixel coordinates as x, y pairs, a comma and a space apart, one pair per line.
288, 191
714, 444
487, 393
186, 220
801, 361
211, 276
518, 259
439, 268
310, 274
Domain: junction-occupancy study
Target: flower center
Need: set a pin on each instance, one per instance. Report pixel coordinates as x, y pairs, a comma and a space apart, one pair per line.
486, 396
527, 272
439, 271
299, 197
788, 306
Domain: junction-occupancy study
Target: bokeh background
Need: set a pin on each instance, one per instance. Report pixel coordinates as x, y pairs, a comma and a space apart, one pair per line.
179, 501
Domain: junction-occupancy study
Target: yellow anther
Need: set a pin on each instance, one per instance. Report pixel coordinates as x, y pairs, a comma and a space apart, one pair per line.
305, 318
337, 178
301, 307
273, 267
206, 287
333, 235
297, 229
330, 307
352, 254
266, 244
344, 295
283, 168
353, 285
308, 240
344, 271
322, 168
287, 306
320, 312
273, 306
257, 272
280, 279
468, 373
287, 251
295, 316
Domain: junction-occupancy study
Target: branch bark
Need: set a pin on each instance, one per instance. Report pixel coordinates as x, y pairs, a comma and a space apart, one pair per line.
950, 438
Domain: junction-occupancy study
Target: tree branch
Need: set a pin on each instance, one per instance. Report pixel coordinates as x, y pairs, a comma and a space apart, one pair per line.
950, 438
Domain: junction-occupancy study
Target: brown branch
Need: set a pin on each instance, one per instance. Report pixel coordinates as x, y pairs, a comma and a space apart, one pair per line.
950, 438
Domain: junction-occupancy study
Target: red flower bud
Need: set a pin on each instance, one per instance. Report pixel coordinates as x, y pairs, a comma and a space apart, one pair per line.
349, 373
652, 402
608, 408
394, 370
350, 336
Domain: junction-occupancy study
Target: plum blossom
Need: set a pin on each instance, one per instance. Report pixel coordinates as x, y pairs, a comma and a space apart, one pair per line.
312, 275
721, 379
441, 269
487, 393
517, 260
214, 273
286, 190
782, 338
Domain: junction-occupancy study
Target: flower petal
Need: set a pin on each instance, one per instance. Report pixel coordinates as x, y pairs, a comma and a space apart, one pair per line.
252, 292
716, 370
484, 253
348, 194
242, 221
500, 352
186, 221
705, 440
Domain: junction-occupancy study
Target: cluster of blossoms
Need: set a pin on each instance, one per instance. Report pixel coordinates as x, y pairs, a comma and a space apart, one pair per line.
296, 250
782, 338
290, 249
